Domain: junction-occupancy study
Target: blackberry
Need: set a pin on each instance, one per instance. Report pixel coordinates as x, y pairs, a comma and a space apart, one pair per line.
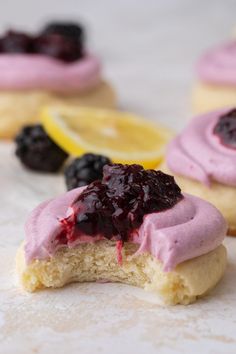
70, 45
37, 151
84, 170
70, 30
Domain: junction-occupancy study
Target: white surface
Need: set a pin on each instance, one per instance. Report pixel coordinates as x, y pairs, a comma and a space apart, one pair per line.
148, 49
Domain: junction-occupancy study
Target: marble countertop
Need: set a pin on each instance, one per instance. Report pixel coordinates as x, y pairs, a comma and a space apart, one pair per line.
148, 49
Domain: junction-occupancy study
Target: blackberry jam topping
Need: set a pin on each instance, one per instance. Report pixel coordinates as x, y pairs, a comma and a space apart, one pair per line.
59, 47
37, 151
63, 42
115, 206
225, 129
16, 42
85, 170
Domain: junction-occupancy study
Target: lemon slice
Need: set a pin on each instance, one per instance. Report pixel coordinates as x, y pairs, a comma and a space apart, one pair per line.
124, 137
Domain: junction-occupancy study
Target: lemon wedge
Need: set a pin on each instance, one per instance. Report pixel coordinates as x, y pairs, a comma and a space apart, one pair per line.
124, 137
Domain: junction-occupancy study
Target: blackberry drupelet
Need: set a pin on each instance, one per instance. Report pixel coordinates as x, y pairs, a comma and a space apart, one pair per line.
85, 169
37, 151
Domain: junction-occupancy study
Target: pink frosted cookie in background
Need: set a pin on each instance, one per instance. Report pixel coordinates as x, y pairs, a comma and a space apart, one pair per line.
203, 160
51, 67
216, 78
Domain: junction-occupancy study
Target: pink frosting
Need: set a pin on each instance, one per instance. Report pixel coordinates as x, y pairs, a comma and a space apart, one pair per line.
33, 71
218, 65
197, 153
191, 228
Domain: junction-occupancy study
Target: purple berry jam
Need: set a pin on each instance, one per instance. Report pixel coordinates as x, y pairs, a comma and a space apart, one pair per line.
57, 46
16, 42
225, 129
64, 47
115, 206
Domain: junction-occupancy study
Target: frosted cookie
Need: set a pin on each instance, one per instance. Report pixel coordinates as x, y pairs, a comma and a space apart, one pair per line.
51, 67
203, 160
216, 79
135, 227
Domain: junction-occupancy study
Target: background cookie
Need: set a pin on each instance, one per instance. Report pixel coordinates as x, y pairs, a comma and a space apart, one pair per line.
222, 196
216, 78
20, 108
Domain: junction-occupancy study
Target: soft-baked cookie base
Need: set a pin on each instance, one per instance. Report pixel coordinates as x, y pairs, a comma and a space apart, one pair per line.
221, 196
208, 97
18, 108
97, 261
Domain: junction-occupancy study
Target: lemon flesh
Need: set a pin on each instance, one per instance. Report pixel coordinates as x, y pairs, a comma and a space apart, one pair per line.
124, 137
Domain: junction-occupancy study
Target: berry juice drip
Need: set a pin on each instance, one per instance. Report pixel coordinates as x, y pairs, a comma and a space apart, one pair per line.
115, 206
225, 129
